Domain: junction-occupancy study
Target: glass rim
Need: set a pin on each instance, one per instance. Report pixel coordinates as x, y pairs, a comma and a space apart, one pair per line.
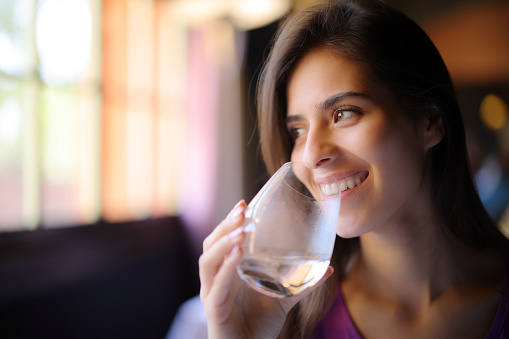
310, 196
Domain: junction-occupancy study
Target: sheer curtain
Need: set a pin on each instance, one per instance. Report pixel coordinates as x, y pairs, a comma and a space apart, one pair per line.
117, 110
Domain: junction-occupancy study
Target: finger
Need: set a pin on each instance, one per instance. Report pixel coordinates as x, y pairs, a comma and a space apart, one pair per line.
210, 262
232, 221
225, 286
241, 205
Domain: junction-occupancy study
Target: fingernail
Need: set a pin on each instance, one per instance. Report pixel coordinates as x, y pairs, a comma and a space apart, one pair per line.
234, 250
236, 232
238, 204
234, 214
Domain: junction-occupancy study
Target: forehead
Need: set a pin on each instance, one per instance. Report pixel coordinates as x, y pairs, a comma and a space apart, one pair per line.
322, 73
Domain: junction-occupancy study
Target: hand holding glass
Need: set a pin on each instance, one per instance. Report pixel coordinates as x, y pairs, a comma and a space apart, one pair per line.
290, 234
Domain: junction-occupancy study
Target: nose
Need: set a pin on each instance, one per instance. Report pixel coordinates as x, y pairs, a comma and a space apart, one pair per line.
320, 148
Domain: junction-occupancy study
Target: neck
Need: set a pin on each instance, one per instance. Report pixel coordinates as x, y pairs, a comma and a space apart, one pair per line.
417, 264
412, 261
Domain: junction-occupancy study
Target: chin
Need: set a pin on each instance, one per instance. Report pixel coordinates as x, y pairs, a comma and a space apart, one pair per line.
347, 233
348, 228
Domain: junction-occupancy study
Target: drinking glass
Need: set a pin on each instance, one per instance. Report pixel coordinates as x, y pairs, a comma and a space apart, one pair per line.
290, 233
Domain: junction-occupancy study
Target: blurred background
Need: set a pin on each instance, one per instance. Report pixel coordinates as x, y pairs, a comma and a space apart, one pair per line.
128, 131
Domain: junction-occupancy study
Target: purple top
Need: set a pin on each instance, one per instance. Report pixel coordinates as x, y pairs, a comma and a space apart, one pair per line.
338, 324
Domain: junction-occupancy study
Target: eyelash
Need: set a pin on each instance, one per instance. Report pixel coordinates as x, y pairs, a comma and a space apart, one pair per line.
341, 110
294, 132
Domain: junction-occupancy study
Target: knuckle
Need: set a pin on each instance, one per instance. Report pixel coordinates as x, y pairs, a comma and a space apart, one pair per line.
206, 243
202, 260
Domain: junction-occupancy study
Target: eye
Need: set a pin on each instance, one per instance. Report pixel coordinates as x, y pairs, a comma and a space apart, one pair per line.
343, 113
296, 132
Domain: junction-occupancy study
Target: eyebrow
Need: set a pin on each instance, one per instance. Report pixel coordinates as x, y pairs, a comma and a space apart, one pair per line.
329, 103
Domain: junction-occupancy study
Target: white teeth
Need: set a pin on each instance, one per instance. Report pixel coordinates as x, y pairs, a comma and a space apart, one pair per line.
350, 184
330, 189
336, 187
342, 186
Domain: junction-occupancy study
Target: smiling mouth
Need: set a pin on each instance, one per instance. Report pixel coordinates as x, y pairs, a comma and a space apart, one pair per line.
343, 184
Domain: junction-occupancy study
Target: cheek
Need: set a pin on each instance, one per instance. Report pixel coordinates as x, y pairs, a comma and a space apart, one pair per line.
297, 151
396, 145
398, 165
295, 156
369, 144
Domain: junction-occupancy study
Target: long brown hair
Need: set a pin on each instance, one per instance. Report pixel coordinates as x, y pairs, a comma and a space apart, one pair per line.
401, 55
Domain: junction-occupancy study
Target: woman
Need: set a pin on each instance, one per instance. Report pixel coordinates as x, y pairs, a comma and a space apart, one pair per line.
360, 89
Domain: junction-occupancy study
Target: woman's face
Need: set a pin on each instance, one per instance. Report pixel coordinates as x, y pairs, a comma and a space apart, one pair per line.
352, 132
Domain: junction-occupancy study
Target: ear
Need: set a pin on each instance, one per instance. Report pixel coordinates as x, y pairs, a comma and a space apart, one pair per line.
434, 131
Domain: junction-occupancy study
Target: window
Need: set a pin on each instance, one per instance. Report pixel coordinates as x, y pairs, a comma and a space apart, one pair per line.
118, 110
86, 121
